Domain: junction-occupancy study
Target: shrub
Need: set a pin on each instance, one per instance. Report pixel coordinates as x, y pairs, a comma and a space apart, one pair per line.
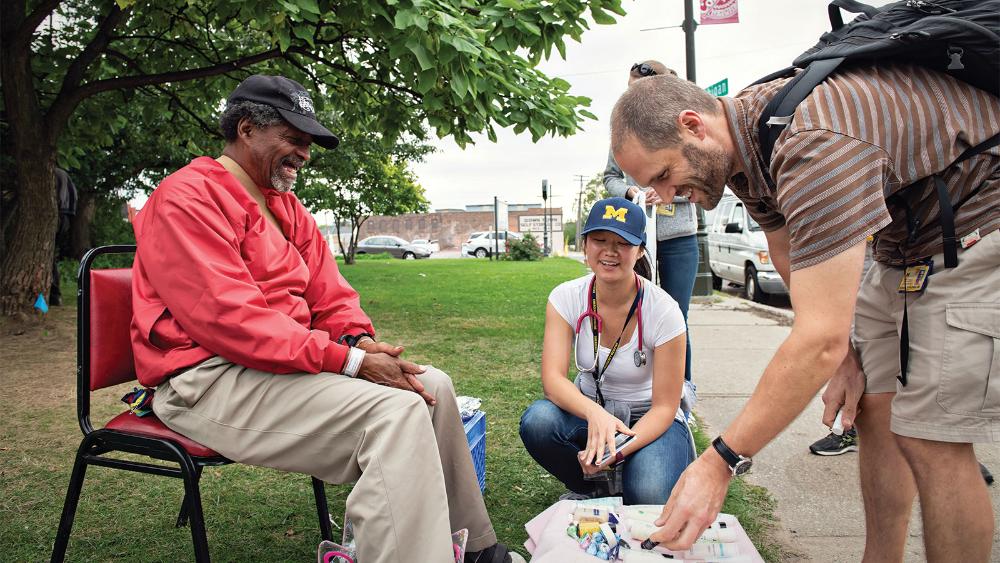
524, 249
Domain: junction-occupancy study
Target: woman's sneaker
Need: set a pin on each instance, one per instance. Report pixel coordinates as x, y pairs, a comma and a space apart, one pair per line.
836, 445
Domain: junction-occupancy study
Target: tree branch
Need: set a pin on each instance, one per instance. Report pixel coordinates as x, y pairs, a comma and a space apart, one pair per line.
63, 107
77, 70
135, 66
356, 76
22, 36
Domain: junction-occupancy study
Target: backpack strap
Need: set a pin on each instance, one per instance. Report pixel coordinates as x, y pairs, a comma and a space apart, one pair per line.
837, 21
948, 210
778, 112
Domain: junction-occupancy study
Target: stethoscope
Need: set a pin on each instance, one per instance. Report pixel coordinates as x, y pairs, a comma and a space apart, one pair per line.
597, 326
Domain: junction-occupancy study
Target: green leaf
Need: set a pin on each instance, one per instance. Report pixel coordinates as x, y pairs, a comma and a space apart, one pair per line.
293, 8
528, 27
284, 40
423, 58
459, 84
601, 17
404, 19
309, 6
588, 115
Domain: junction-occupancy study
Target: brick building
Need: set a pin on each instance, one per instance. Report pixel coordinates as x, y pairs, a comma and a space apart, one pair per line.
452, 227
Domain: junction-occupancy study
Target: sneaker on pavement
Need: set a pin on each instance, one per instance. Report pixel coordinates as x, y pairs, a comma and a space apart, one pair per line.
836, 445
987, 476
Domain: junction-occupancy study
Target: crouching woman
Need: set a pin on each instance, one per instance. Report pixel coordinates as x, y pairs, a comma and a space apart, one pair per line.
625, 338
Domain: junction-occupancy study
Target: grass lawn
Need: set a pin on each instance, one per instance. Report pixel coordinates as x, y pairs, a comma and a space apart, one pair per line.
479, 321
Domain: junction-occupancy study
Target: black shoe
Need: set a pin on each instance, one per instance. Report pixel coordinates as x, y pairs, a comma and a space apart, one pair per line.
836, 445
496, 553
987, 476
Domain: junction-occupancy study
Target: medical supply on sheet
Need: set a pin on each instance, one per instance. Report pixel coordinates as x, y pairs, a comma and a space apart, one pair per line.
594, 525
468, 406
712, 550
591, 514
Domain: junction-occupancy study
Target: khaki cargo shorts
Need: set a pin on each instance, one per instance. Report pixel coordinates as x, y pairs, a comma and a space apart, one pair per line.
953, 385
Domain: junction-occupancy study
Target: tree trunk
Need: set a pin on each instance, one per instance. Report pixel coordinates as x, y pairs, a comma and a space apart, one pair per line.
348, 259
86, 206
26, 265
26, 269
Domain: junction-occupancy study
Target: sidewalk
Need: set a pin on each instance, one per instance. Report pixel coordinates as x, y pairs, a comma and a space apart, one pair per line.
818, 500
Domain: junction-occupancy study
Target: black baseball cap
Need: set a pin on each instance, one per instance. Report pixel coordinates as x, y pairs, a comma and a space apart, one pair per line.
290, 99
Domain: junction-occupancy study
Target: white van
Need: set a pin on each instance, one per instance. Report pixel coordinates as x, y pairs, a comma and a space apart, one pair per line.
737, 252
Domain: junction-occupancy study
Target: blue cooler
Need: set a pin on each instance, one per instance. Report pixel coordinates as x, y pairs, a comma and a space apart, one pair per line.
475, 433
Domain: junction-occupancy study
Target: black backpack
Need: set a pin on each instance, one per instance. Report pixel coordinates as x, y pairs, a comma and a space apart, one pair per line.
958, 37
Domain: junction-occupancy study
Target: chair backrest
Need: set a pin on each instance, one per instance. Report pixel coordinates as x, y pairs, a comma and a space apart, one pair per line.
109, 341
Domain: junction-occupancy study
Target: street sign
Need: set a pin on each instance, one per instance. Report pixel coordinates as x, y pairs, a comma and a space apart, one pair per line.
536, 223
720, 88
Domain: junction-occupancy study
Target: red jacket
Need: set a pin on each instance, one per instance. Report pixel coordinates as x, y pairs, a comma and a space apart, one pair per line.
213, 277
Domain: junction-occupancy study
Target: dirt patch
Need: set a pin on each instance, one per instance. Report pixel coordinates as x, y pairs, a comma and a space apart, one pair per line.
781, 318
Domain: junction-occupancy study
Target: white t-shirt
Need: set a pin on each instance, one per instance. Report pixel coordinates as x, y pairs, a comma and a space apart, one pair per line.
661, 322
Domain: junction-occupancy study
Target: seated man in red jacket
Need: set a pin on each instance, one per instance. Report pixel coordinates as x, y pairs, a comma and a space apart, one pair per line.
258, 347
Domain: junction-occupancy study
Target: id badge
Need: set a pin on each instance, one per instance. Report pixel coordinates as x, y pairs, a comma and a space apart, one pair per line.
915, 277
666, 209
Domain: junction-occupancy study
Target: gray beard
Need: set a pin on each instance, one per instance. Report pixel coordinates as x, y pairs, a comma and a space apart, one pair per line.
280, 183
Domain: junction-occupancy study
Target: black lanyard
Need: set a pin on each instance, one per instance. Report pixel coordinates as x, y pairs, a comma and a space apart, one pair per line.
598, 373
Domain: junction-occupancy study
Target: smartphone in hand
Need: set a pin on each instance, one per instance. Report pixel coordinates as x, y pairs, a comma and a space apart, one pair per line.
621, 440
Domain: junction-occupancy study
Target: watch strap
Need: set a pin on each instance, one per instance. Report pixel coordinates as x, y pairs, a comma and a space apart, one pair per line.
352, 339
731, 458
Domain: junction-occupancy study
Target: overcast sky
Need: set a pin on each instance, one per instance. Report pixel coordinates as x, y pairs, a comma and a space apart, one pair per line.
770, 34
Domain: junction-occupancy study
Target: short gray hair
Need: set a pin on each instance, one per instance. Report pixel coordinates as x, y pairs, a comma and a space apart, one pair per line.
261, 115
648, 110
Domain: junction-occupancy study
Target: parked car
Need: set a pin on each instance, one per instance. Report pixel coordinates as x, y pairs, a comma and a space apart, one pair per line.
482, 244
393, 245
431, 245
737, 252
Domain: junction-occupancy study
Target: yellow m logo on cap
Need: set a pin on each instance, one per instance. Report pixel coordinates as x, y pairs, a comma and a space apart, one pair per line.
610, 212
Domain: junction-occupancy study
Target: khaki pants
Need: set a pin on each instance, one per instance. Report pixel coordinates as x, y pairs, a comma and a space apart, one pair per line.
953, 382
415, 478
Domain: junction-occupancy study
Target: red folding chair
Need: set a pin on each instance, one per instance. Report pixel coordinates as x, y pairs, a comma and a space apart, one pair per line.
104, 358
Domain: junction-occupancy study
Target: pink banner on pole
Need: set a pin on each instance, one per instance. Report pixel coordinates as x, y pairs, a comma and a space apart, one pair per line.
719, 11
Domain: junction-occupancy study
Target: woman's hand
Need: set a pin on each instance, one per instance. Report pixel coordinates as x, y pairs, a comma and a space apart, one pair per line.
601, 429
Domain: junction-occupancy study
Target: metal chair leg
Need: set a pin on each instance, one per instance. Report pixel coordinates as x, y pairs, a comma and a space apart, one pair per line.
69, 507
182, 516
196, 518
322, 509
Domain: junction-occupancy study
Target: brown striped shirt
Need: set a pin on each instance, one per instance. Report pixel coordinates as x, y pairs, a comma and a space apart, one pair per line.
864, 132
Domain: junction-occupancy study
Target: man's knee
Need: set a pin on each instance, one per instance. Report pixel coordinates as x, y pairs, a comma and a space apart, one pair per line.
927, 456
436, 382
874, 410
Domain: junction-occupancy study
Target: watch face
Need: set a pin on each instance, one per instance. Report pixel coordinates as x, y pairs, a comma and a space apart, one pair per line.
742, 467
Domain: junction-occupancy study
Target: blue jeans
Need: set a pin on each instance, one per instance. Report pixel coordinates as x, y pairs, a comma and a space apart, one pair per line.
677, 263
553, 437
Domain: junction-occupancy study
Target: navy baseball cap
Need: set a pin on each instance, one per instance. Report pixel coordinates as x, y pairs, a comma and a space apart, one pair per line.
290, 99
620, 216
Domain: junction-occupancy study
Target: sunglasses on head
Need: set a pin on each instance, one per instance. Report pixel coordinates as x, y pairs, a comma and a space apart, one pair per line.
644, 69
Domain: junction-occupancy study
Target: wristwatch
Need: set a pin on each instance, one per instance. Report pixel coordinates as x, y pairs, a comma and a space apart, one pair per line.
738, 464
352, 340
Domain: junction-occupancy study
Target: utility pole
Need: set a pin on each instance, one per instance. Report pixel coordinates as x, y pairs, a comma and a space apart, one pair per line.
703, 280
579, 210
545, 216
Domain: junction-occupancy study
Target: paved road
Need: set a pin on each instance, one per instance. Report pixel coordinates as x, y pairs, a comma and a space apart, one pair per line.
818, 501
